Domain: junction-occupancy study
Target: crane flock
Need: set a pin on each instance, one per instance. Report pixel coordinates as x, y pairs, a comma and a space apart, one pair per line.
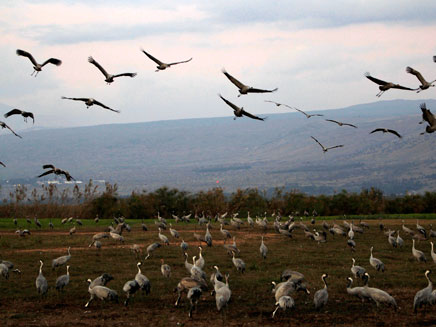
196, 283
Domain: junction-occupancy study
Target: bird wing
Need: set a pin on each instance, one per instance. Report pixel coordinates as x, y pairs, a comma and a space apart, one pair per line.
276, 103
316, 115
336, 146
377, 130
254, 90
317, 142
394, 132
234, 107
157, 61
349, 125
301, 111
427, 115
418, 75
48, 166
46, 173
333, 121
28, 55
53, 61
125, 74
375, 80
179, 62
76, 99
1, 163
13, 112
96, 64
233, 80
98, 103
398, 86
245, 113
4, 125
67, 175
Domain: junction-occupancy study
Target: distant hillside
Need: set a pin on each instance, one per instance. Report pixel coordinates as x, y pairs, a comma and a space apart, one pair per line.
194, 154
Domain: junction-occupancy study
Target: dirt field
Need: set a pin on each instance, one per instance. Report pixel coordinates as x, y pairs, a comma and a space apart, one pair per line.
251, 302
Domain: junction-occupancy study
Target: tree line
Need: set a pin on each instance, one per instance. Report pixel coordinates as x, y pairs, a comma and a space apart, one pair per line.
88, 201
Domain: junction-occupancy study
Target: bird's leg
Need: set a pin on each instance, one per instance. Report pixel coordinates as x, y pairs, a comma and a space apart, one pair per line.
34, 71
156, 71
379, 94
274, 313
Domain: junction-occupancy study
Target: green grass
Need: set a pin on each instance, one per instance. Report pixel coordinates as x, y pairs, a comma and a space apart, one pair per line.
252, 301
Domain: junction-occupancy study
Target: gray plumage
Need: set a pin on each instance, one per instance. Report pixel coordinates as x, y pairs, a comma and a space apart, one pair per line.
193, 296
184, 246
379, 296
4, 270
208, 237
238, 263
101, 280
101, 292
376, 263
321, 296
419, 255
60, 261
41, 281
163, 238
357, 271
285, 302
263, 249
130, 288
424, 296
222, 295
143, 281
63, 280
165, 269
151, 248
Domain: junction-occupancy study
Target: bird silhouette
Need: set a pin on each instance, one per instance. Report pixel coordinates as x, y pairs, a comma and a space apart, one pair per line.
324, 149
38, 67
161, 65
56, 171
109, 78
244, 89
90, 102
429, 118
340, 123
4, 125
307, 115
424, 84
25, 114
385, 130
384, 86
239, 112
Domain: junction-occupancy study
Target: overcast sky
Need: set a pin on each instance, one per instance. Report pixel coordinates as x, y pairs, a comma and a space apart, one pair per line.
315, 51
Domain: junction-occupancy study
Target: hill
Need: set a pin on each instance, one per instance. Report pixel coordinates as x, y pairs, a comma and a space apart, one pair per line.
194, 154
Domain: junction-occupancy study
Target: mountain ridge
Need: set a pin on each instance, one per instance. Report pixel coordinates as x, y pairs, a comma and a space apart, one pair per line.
193, 154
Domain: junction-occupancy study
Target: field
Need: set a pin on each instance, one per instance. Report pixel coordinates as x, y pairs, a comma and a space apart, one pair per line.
252, 301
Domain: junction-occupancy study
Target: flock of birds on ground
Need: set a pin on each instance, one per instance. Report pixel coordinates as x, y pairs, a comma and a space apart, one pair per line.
243, 89
196, 281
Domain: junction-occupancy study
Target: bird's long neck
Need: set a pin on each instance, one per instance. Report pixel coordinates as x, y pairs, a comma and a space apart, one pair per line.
139, 268
324, 280
430, 284
40, 267
68, 270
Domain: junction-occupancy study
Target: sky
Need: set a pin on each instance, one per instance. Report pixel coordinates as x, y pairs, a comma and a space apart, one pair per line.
315, 51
